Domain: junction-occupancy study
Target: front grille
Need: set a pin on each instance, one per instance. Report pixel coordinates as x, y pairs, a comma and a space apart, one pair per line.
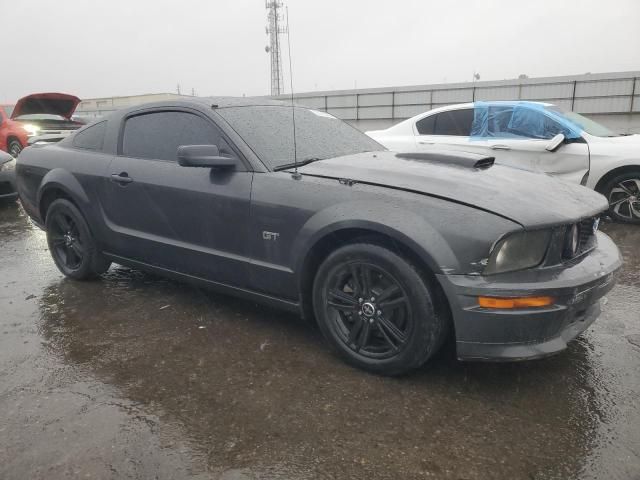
587, 234
586, 238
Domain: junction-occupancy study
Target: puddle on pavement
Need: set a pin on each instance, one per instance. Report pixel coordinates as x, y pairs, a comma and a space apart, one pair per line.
202, 385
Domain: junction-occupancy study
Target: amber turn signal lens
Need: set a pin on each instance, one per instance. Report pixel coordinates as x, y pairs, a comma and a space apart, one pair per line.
515, 302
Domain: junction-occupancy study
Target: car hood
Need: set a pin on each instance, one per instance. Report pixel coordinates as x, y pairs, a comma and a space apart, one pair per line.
533, 200
624, 146
633, 138
46, 103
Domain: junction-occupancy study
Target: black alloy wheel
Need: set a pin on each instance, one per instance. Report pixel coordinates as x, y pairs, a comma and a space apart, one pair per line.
66, 241
376, 309
71, 243
372, 315
623, 193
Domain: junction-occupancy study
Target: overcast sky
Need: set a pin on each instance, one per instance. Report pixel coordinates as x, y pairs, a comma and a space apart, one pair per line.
97, 48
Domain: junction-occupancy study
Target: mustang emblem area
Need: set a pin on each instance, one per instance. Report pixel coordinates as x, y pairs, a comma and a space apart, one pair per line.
368, 309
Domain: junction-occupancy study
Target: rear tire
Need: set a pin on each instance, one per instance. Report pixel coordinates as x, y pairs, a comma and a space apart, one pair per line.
376, 310
14, 147
71, 243
623, 194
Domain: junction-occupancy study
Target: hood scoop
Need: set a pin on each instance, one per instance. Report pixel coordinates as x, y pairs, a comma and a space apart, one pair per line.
461, 159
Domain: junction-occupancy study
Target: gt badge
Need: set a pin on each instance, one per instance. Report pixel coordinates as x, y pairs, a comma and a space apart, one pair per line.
270, 235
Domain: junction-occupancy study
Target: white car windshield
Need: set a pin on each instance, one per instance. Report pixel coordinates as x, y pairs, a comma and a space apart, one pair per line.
584, 123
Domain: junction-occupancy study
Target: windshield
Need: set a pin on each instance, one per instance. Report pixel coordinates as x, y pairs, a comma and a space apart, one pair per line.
584, 123
268, 130
8, 109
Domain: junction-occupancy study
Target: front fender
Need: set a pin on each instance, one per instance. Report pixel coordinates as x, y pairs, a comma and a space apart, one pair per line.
602, 164
404, 226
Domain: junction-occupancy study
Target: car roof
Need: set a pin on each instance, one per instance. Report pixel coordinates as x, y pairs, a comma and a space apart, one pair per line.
208, 102
224, 102
459, 106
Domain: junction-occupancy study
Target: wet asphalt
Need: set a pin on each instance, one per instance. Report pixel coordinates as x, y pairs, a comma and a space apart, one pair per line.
134, 376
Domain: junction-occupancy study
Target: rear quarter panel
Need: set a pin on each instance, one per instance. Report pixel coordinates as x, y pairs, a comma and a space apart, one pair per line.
399, 137
78, 173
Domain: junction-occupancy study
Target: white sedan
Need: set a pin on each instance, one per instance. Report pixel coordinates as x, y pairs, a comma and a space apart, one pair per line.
533, 136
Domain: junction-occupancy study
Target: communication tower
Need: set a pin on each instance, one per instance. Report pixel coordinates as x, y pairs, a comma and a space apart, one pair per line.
274, 28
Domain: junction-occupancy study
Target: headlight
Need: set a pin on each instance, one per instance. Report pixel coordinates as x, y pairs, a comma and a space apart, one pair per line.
31, 129
518, 251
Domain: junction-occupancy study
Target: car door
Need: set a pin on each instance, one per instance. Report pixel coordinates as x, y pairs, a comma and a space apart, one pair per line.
185, 219
518, 136
447, 130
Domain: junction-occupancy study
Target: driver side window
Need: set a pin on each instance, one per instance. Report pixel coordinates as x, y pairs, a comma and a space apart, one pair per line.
157, 135
533, 124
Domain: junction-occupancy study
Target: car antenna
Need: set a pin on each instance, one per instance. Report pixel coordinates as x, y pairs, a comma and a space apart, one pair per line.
296, 175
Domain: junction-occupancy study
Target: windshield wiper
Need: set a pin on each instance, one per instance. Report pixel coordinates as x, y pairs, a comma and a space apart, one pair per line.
300, 163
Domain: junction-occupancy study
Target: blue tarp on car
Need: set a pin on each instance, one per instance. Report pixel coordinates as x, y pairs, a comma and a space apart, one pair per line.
519, 120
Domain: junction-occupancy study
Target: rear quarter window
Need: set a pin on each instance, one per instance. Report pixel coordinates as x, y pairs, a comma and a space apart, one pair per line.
454, 122
91, 138
426, 126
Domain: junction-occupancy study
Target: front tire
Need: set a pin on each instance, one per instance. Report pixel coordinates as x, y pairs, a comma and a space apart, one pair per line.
376, 310
623, 193
71, 243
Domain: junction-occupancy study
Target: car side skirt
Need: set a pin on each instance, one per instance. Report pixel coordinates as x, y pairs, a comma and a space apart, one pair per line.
209, 284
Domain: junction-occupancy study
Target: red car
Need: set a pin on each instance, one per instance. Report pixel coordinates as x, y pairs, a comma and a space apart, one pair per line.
13, 136
45, 116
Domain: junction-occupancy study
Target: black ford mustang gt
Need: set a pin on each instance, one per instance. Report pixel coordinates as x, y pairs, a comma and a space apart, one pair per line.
388, 252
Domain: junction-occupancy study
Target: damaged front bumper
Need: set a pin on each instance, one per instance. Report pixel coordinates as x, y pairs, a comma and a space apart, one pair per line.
520, 334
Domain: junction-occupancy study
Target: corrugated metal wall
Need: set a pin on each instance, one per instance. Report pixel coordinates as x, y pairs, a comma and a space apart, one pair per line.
612, 98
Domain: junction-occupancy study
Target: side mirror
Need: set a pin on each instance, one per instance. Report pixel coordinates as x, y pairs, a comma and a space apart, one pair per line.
555, 143
205, 156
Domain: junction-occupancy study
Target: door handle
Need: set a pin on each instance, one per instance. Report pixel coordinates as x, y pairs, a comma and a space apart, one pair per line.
425, 143
500, 147
121, 178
